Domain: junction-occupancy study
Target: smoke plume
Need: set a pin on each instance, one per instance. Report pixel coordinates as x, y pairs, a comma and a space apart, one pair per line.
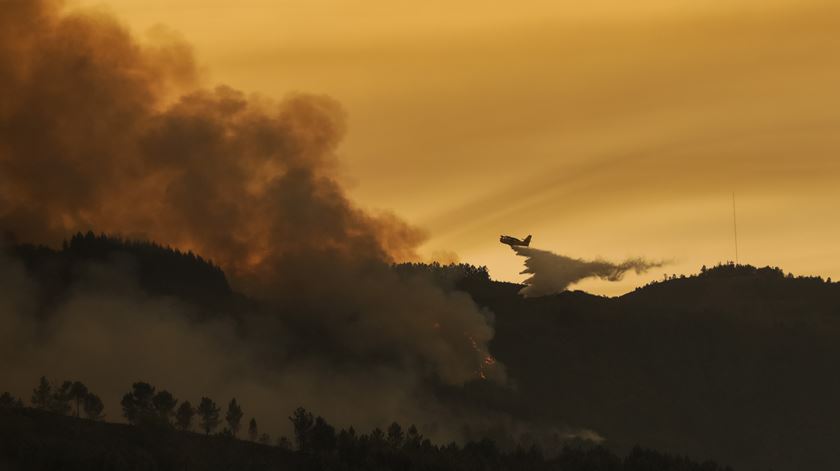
99, 131
552, 273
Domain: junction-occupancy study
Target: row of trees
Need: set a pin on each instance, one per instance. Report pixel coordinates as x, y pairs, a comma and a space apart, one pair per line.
399, 449
321, 446
67, 398
733, 270
143, 405
7, 400
314, 435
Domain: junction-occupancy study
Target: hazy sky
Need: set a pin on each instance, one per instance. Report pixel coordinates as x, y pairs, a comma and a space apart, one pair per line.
603, 128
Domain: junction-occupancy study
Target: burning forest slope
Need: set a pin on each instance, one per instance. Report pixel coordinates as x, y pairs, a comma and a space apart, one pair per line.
158, 270
735, 363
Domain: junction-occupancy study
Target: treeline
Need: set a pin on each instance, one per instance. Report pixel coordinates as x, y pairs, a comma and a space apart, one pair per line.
318, 445
65, 398
448, 276
723, 271
159, 270
145, 406
399, 449
93, 245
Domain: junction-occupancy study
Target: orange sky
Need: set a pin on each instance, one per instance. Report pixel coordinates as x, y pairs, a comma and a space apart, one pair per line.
604, 128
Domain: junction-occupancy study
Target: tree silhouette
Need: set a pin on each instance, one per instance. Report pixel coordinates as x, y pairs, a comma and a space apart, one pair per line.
41, 395
395, 435
208, 411
137, 405
322, 436
184, 416
302, 423
60, 400
252, 430
284, 443
78, 392
413, 438
164, 404
346, 444
377, 436
233, 417
93, 407
7, 400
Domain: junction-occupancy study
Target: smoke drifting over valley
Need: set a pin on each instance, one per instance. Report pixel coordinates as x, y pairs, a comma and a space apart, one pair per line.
552, 273
99, 131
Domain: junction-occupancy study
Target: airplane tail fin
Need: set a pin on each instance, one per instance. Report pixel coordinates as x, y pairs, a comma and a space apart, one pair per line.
527, 240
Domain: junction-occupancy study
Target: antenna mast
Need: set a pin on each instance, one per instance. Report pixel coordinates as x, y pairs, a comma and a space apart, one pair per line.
735, 227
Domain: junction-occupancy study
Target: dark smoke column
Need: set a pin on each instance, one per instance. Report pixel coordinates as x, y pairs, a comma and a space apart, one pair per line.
101, 132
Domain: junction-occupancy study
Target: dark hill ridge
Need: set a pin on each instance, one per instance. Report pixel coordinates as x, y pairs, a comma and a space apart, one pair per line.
35, 440
737, 362
32, 440
744, 289
158, 270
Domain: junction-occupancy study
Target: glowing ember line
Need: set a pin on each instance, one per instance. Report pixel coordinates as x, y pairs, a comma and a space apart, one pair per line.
487, 359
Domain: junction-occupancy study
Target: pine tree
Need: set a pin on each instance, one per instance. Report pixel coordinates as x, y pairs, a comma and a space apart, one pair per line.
137, 404
78, 392
302, 422
60, 400
322, 436
209, 413
93, 407
284, 443
42, 394
9, 401
184, 416
234, 417
395, 435
164, 404
413, 438
252, 430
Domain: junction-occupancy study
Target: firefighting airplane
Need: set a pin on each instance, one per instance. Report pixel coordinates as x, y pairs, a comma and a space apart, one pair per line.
514, 242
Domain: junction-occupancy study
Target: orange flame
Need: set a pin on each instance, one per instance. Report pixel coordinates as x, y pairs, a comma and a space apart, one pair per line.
487, 359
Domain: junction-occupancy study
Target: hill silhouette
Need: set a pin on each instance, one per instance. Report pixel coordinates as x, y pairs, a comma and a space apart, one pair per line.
158, 270
34, 440
735, 363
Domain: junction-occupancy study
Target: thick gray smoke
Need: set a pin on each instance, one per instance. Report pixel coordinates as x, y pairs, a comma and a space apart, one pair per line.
99, 131
109, 333
552, 273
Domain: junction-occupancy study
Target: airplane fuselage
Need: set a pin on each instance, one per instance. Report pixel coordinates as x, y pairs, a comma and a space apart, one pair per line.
514, 242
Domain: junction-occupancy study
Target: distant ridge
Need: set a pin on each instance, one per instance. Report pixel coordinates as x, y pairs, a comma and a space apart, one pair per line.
160, 270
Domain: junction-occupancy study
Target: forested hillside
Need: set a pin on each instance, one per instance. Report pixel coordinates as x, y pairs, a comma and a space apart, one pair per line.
738, 363
735, 363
